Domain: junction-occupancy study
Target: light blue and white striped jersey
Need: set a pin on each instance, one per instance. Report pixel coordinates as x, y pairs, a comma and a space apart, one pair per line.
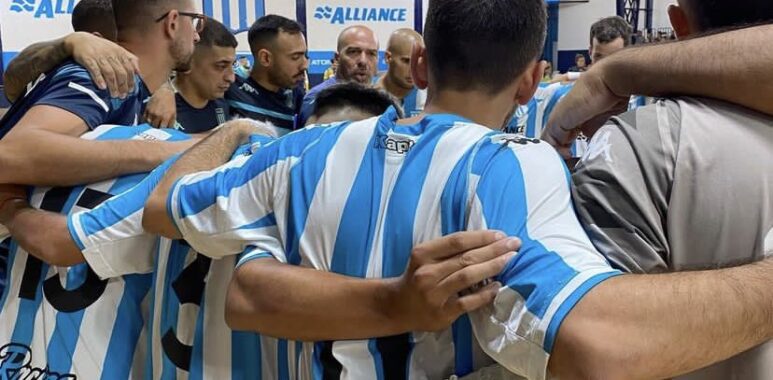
187, 334
355, 198
413, 103
68, 322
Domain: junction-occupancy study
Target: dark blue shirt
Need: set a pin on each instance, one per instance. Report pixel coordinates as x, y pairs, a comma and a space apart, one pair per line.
195, 120
249, 99
70, 87
308, 101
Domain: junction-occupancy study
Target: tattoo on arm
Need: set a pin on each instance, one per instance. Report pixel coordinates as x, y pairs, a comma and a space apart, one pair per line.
30, 63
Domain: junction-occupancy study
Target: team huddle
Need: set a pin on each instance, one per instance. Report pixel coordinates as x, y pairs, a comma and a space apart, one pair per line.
170, 218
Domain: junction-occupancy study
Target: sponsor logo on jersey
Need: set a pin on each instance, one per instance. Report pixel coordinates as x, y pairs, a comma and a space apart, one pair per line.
15, 363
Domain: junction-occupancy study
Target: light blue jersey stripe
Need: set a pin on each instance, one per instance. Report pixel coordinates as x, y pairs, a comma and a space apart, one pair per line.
259, 110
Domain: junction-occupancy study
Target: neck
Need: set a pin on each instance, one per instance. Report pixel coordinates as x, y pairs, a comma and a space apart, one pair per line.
391, 87
261, 77
484, 109
155, 64
189, 93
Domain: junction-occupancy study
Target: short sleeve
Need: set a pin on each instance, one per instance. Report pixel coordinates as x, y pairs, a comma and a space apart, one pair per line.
73, 90
523, 190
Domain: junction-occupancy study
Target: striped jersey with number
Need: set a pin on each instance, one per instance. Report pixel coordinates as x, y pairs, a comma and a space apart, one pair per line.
67, 322
355, 198
187, 334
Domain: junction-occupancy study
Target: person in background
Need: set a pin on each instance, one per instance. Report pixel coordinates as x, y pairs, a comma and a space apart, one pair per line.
331, 70
357, 55
242, 67
274, 90
398, 80
547, 77
579, 64
200, 91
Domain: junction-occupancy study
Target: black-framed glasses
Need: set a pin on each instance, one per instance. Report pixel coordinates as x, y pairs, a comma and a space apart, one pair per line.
198, 19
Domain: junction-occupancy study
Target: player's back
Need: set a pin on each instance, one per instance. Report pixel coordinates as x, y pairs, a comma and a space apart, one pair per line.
61, 321
692, 182
363, 195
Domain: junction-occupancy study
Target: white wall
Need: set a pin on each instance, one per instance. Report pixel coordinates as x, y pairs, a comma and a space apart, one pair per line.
574, 21
660, 13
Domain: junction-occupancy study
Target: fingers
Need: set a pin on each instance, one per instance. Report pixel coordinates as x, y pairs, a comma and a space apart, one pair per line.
474, 257
92, 67
121, 80
453, 245
130, 65
108, 72
474, 274
474, 301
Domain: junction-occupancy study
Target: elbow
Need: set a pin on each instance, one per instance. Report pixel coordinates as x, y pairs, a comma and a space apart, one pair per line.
592, 354
154, 214
246, 309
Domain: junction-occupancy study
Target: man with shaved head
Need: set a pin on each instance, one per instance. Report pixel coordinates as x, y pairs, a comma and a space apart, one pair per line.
398, 80
357, 55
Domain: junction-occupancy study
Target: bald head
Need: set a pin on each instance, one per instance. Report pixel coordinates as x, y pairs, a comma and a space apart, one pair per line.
357, 55
402, 40
356, 33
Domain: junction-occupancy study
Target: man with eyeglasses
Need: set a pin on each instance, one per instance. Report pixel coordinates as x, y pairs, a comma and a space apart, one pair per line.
63, 322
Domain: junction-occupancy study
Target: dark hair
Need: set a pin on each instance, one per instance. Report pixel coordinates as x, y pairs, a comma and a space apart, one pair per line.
216, 34
267, 28
482, 44
95, 16
578, 56
609, 29
366, 99
137, 14
718, 14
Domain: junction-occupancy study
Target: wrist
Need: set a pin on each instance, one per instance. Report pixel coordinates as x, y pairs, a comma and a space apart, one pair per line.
388, 304
69, 42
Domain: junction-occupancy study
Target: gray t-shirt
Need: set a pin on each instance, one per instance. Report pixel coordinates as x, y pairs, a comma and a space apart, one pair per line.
678, 185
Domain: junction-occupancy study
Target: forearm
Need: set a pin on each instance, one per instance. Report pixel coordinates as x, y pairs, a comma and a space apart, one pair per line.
682, 322
732, 66
210, 153
36, 59
41, 158
279, 300
45, 235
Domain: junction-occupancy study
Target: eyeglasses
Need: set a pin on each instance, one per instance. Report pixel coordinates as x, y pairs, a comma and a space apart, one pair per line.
197, 18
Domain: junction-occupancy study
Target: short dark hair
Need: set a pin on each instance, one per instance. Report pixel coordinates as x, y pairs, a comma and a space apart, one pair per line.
609, 29
718, 14
578, 56
95, 16
136, 14
350, 94
265, 30
483, 44
216, 34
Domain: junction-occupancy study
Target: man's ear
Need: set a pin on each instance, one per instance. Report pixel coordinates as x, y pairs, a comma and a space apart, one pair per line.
264, 58
679, 21
529, 82
419, 66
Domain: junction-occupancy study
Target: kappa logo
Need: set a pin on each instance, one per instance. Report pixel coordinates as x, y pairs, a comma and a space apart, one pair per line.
514, 139
43, 8
15, 363
343, 15
393, 143
248, 89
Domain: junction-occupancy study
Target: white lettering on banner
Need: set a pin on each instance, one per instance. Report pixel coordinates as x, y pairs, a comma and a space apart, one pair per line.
342, 15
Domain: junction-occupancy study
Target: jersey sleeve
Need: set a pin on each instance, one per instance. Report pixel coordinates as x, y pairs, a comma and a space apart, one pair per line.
621, 188
111, 236
230, 210
73, 90
523, 190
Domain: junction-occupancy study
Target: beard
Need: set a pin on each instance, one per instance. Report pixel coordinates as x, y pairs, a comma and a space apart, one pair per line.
182, 57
